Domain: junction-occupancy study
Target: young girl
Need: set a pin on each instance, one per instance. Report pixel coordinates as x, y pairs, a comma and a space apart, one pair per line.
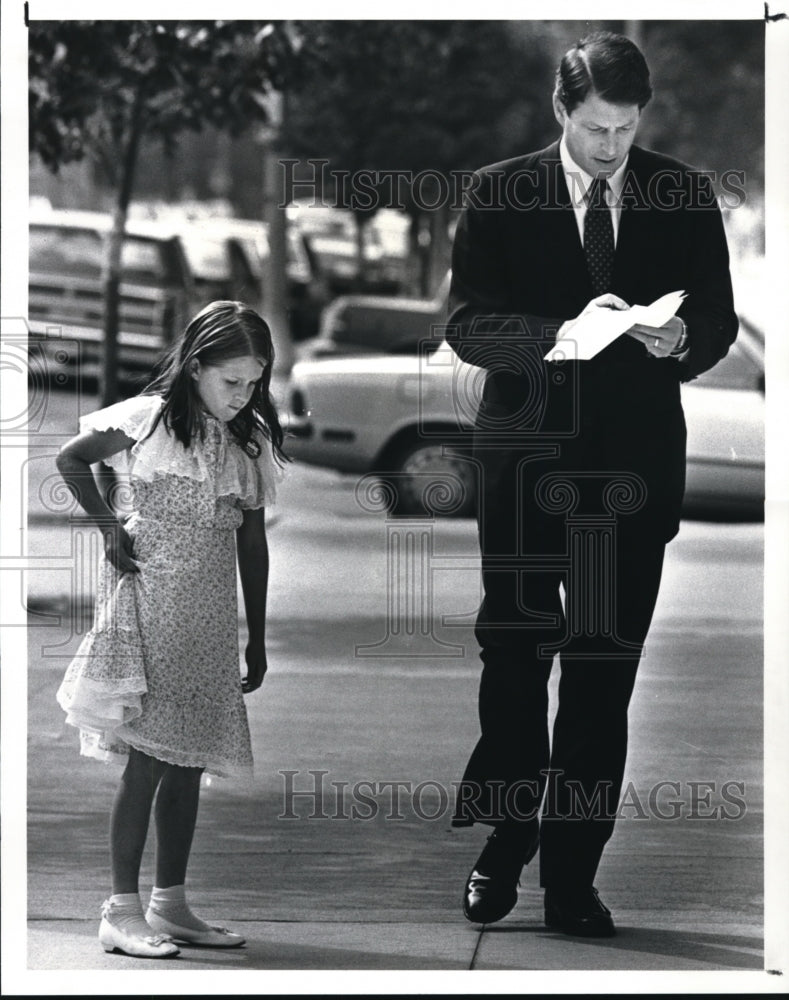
157, 680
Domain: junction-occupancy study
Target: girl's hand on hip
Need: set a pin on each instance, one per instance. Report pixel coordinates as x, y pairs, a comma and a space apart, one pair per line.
256, 667
118, 548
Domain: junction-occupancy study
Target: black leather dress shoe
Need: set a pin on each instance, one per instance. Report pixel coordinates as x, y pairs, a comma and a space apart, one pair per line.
492, 887
580, 912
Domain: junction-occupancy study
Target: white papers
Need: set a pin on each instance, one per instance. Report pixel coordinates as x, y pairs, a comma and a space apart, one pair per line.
586, 336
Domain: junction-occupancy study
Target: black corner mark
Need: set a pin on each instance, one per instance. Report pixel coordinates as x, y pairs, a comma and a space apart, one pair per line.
773, 17
27, 14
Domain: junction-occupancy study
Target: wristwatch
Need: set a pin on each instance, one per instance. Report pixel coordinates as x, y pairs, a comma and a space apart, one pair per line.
681, 348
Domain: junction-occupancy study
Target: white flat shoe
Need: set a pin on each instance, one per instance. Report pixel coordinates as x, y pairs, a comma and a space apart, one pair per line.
112, 938
216, 937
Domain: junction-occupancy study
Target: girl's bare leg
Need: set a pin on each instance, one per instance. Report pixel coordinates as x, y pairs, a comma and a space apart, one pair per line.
131, 813
175, 816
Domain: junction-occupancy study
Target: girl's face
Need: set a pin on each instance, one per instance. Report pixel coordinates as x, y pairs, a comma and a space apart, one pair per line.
226, 388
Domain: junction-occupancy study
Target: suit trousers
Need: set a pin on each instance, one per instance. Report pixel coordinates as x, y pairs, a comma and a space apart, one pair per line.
580, 585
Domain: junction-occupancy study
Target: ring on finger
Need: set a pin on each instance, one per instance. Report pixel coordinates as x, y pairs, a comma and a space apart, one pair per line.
657, 341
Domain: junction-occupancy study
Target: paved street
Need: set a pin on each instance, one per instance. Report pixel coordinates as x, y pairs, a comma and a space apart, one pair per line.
369, 726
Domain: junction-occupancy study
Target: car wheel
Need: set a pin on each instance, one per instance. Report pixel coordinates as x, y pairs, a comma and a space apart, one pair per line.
426, 480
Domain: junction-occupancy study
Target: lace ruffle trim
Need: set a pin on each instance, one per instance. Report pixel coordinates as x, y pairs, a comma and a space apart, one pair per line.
233, 472
114, 748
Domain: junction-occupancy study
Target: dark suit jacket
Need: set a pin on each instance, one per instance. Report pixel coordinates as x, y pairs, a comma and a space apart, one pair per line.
518, 271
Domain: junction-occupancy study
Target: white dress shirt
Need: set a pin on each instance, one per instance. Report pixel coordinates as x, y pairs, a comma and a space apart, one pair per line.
579, 182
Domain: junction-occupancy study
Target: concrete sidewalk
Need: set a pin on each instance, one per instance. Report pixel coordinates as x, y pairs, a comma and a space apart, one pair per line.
313, 888
340, 854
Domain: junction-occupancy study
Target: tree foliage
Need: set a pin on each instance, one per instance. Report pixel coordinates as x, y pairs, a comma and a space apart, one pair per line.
89, 79
97, 88
417, 95
374, 95
438, 96
708, 106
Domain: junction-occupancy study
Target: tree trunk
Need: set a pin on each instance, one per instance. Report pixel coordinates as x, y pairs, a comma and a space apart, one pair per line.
112, 284
275, 283
440, 250
414, 265
112, 274
361, 223
423, 244
635, 32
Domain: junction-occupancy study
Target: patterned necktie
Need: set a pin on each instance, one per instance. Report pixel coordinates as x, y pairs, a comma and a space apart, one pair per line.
599, 237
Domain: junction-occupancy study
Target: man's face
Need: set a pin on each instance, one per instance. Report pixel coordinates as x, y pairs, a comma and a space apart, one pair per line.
598, 135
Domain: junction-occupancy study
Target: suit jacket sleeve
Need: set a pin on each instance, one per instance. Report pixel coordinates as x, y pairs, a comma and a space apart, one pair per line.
481, 316
708, 310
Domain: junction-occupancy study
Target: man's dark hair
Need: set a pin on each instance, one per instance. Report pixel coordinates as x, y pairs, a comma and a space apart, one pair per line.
610, 65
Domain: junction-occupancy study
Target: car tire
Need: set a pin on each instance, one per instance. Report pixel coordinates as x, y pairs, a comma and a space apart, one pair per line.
425, 479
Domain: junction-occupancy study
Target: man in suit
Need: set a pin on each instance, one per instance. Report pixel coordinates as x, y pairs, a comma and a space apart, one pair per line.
581, 463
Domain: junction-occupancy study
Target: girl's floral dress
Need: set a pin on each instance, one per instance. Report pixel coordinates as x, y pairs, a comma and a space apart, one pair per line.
160, 668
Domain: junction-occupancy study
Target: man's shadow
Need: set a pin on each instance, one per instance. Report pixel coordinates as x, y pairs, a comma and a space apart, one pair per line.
723, 950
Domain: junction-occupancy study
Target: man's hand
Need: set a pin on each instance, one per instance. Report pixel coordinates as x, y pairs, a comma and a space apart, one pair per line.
660, 341
607, 301
256, 667
118, 548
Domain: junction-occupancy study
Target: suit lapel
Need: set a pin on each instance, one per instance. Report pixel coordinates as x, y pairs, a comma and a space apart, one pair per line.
561, 230
560, 227
632, 222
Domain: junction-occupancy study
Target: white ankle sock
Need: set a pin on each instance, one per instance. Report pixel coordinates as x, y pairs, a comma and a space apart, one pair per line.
171, 904
127, 914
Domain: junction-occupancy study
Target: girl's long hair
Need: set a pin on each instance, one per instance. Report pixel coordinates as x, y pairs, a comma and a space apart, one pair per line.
223, 330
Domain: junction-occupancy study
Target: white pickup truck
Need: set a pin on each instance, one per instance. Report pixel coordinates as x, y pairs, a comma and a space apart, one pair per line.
65, 315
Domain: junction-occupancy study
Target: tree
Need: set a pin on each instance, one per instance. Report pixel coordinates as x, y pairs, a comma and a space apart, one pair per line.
98, 87
711, 115
426, 97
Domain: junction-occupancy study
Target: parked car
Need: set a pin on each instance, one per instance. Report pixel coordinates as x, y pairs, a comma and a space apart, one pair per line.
223, 266
228, 257
331, 238
724, 413
368, 409
66, 254
354, 324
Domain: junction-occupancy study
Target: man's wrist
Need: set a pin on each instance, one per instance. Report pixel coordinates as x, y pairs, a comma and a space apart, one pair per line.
681, 347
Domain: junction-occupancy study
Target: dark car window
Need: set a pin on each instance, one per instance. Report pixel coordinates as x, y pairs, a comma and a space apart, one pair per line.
239, 263
175, 264
360, 328
252, 254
